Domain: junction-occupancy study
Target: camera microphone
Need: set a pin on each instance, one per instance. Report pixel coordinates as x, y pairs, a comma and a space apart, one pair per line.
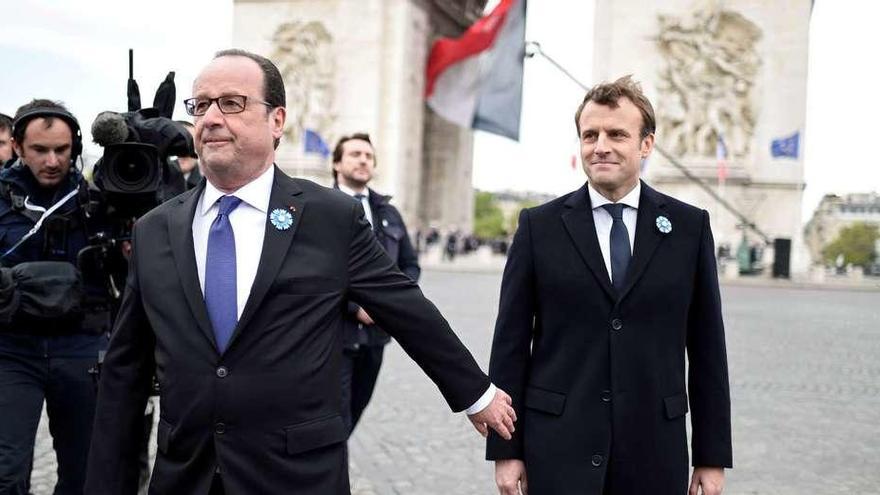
109, 128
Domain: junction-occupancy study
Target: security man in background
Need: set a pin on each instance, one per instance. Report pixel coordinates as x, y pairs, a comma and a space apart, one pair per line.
49, 337
354, 162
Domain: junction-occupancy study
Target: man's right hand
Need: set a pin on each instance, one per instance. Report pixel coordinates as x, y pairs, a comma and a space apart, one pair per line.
498, 415
510, 477
363, 317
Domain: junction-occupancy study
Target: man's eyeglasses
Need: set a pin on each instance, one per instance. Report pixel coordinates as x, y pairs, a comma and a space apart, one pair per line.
227, 104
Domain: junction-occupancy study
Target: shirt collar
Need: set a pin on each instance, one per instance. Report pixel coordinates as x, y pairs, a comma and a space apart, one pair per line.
631, 199
256, 193
351, 192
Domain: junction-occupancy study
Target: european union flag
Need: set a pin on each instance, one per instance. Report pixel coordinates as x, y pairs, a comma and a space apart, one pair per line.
315, 144
786, 147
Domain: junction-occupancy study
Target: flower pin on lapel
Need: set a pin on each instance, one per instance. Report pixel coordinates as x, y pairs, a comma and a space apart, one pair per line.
281, 219
664, 225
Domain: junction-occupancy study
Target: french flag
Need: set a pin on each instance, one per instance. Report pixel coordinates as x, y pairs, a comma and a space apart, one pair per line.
476, 80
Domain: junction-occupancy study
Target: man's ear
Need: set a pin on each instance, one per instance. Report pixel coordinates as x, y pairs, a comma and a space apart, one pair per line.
278, 118
16, 147
647, 145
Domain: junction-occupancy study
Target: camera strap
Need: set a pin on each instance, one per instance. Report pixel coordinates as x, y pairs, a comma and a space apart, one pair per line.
46, 212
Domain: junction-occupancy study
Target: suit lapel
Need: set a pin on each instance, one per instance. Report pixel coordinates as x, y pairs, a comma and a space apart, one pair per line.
182, 250
578, 220
286, 195
647, 238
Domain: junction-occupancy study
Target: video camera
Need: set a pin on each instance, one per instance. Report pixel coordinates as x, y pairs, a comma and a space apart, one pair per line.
133, 176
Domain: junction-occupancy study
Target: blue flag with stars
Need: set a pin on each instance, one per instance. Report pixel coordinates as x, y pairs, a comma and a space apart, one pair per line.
786, 147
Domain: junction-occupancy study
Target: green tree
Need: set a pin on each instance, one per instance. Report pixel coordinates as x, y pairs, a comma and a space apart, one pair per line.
488, 217
513, 221
855, 243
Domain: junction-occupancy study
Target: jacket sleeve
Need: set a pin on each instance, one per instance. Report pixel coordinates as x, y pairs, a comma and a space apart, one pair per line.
398, 306
511, 345
708, 385
407, 259
126, 377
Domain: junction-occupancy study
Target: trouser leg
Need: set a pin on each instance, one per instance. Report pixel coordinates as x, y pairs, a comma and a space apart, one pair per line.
364, 376
22, 382
347, 368
70, 404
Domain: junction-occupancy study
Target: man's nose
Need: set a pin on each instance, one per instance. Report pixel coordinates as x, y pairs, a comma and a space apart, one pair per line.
602, 145
52, 159
213, 116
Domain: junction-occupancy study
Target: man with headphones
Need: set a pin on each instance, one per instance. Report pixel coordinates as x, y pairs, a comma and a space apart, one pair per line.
48, 339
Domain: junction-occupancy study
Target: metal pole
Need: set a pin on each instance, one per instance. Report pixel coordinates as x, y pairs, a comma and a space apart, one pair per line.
533, 48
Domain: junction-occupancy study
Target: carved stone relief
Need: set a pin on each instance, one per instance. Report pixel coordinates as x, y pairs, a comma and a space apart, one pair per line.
707, 82
303, 52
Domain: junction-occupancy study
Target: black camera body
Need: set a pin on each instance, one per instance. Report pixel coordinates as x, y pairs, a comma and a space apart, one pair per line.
134, 175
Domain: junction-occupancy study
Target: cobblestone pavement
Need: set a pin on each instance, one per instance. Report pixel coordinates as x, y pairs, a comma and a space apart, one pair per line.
805, 380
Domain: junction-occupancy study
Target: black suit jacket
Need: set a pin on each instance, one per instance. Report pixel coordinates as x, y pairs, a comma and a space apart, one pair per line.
390, 231
266, 411
598, 375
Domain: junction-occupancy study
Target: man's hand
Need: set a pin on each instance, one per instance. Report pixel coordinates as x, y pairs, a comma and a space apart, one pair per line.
707, 481
510, 476
363, 317
498, 415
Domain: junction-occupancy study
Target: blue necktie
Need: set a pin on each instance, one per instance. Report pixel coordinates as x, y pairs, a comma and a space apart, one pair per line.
360, 198
620, 252
221, 297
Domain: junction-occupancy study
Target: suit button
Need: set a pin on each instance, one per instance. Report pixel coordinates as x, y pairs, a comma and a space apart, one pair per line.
219, 428
222, 372
606, 396
616, 324
597, 460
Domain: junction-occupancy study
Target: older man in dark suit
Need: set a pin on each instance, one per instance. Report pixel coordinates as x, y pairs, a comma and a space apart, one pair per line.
235, 298
605, 293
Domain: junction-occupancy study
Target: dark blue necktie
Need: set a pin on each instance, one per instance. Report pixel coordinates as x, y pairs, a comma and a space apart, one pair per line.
360, 199
221, 297
620, 252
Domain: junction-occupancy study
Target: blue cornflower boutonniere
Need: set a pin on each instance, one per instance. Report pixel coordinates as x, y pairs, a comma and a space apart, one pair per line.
281, 219
664, 225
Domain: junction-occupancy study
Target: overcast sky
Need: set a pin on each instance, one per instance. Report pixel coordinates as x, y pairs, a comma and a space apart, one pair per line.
76, 52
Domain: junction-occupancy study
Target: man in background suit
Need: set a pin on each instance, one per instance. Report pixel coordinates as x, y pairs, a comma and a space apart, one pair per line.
605, 290
235, 299
354, 161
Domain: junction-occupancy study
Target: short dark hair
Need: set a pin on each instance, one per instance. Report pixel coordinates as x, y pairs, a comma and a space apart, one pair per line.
609, 93
18, 130
5, 123
337, 150
273, 83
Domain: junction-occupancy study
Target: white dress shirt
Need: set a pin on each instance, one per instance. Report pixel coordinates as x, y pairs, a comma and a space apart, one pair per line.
365, 201
603, 220
248, 222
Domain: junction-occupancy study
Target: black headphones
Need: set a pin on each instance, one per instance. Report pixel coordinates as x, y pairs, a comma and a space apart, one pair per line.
21, 122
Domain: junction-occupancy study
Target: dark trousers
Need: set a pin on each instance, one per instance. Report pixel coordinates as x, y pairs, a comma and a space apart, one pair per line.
360, 369
69, 392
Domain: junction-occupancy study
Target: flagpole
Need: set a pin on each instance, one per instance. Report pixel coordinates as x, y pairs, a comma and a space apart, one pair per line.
533, 48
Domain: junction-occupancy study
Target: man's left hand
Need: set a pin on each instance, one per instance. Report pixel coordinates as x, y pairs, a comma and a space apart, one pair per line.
498, 415
707, 481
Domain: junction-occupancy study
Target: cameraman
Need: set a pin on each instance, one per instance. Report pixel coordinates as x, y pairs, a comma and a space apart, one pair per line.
48, 340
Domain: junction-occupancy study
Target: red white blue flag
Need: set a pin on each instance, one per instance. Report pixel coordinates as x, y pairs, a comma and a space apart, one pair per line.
476, 80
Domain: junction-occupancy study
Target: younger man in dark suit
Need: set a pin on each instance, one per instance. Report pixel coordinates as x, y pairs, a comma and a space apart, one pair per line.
354, 161
605, 290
